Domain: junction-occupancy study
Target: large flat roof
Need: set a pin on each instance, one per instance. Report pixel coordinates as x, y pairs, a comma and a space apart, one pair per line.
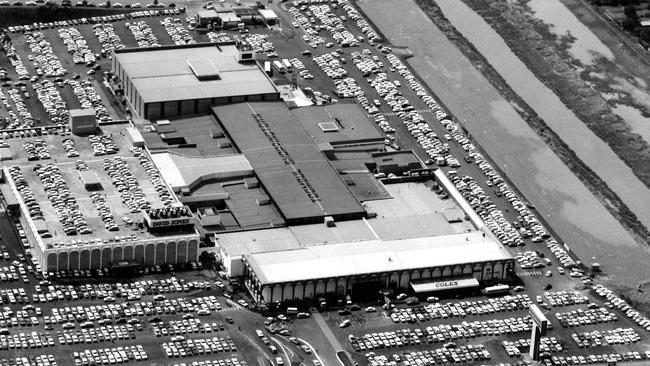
199, 136
347, 122
171, 77
186, 172
288, 163
374, 256
70, 175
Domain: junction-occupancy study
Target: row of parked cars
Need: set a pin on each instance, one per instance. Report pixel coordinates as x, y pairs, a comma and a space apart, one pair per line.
565, 298
77, 46
184, 326
178, 32
580, 317
45, 61
311, 37
88, 97
493, 217
52, 293
260, 43
109, 356
19, 116
154, 176
30, 340
332, 66
529, 259
64, 203
233, 361
40, 360
362, 23
333, 25
129, 311
104, 209
16, 63
461, 308
439, 333
439, 356
108, 39
26, 193
560, 253
126, 184
300, 68
219, 37
35, 131
606, 338
614, 301
88, 334
48, 95
36, 150
597, 358
546, 345
92, 20
181, 347
143, 34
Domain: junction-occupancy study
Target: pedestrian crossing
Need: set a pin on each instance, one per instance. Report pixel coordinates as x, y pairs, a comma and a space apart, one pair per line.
530, 273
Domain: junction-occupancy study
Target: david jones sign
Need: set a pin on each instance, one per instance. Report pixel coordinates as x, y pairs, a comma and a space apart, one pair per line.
170, 222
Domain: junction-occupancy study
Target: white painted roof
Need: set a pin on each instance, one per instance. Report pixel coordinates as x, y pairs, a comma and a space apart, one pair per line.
374, 256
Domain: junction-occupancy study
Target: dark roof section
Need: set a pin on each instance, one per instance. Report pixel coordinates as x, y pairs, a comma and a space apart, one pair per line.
194, 136
350, 122
288, 163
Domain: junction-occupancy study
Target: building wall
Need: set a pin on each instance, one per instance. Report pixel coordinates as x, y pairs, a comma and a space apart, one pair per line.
153, 111
180, 249
339, 287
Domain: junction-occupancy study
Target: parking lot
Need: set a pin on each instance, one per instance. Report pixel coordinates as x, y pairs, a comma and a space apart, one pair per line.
337, 55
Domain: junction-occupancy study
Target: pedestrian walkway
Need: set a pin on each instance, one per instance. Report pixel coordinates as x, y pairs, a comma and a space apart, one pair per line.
318, 317
530, 273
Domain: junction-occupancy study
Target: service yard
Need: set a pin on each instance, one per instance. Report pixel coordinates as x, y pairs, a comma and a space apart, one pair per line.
187, 318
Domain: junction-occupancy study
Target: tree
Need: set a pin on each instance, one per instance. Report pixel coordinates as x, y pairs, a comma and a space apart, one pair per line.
629, 24
155, 2
630, 12
108, 3
84, 3
645, 35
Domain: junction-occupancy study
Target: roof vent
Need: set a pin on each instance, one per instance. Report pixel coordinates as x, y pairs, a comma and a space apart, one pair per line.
203, 69
328, 127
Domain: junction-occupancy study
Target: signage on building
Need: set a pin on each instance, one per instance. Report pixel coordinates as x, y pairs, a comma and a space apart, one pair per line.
420, 286
171, 222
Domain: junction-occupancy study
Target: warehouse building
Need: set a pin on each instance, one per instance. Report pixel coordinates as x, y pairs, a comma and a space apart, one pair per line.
288, 163
363, 269
188, 79
414, 240
167, 235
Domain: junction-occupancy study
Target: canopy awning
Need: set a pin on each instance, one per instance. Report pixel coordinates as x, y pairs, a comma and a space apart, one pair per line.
442, 285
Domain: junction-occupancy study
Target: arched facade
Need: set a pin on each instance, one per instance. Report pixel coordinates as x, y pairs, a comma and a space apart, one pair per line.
74, 259
338, 288
84, 260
